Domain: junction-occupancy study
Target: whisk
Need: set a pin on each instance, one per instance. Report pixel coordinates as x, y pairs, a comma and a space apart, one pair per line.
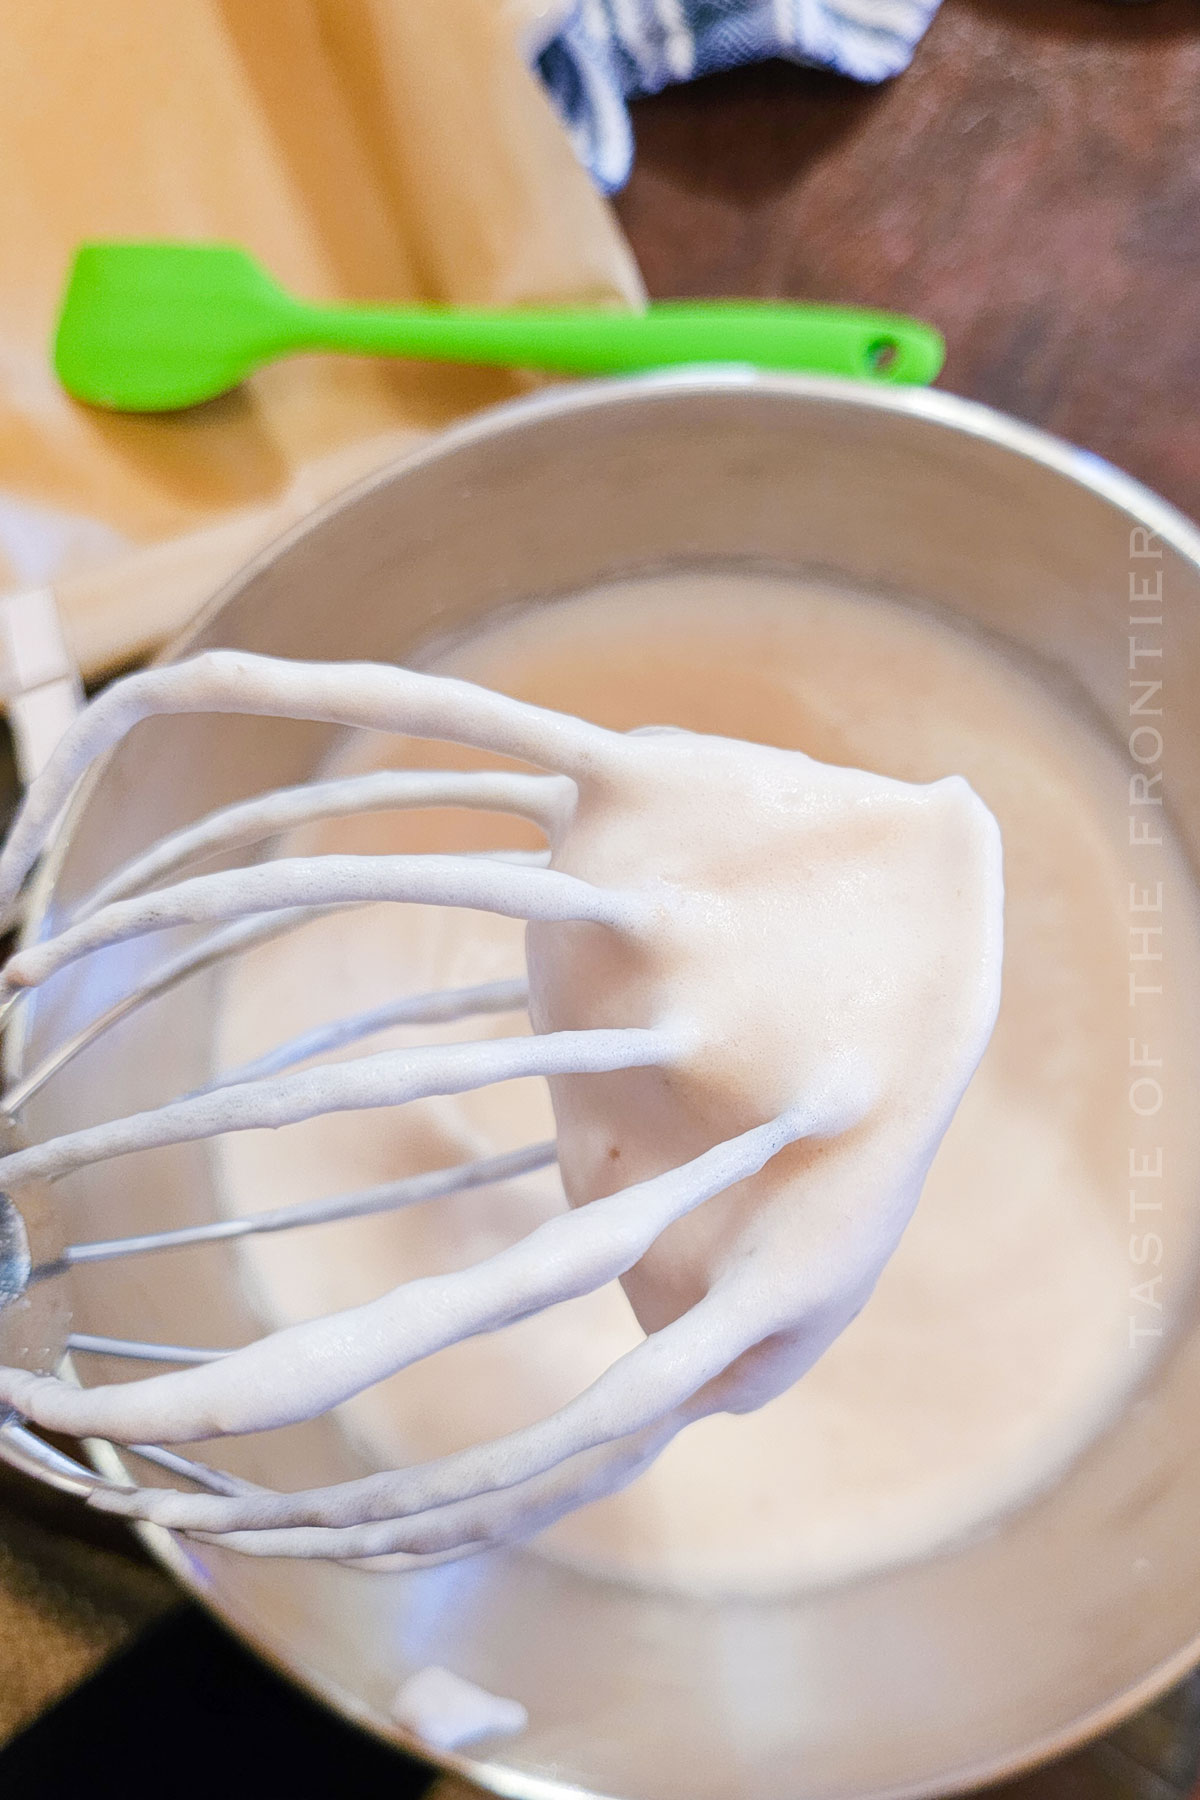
758, 986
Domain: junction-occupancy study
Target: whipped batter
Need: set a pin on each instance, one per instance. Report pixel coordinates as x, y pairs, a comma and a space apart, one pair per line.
997, 1341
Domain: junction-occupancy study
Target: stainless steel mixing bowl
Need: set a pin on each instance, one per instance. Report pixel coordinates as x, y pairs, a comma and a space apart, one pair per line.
927, 1678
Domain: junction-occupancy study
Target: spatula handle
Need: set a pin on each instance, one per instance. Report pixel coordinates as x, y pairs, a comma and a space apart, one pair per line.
833, 340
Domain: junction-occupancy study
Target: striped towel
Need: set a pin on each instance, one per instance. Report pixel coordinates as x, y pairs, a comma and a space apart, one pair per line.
606, 52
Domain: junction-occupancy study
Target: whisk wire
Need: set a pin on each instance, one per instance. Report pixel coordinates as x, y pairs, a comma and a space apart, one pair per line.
444, 1006
265, 816
216, 948
484, 884
386, 1078
388, 1196
135, 1350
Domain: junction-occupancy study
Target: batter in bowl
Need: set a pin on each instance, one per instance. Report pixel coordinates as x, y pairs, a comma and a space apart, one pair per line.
998, 1340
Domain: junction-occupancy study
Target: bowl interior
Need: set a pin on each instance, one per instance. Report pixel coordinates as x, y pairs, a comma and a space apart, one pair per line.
922, 1678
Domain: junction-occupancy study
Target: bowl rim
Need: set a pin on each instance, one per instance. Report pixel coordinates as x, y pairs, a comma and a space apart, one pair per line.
969, 418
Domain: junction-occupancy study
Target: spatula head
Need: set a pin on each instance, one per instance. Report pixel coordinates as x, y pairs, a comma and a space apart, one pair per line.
156, 326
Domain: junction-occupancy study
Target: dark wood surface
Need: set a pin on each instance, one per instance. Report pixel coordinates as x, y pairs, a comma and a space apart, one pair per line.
1031, 185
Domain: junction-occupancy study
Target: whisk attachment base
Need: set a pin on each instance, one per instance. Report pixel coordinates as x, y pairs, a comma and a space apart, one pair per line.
16, 1263
34, 1311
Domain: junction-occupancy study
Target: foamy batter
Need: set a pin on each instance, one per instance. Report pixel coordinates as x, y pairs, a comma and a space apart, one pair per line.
997, 1341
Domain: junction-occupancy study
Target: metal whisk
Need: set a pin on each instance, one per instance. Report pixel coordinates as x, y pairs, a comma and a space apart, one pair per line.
762, 981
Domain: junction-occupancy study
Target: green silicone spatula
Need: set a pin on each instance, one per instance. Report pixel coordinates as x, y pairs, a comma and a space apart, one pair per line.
151, 327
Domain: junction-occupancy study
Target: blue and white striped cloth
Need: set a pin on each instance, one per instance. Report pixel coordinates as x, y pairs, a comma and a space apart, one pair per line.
606, 52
